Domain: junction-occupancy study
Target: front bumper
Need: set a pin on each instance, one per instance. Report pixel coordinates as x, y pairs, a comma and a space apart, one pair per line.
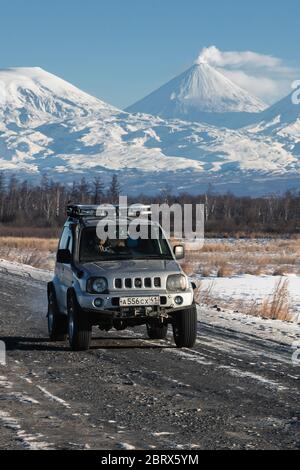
110, 302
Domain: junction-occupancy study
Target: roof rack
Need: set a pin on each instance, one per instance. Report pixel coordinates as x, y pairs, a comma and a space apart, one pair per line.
80, 211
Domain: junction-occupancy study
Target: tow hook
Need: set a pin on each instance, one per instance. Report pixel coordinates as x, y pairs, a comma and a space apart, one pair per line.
163, 317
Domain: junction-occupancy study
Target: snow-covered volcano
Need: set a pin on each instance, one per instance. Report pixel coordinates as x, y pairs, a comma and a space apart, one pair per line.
203, 94
48, 126
31, 94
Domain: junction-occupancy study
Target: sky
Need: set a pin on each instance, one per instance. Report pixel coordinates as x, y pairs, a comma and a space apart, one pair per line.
121, 50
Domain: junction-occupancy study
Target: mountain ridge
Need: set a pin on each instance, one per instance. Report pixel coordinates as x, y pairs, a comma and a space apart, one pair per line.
48, 126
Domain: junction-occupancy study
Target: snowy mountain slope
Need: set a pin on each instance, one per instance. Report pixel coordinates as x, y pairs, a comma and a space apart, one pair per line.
47, 126
201, 94
281, 122
29, 95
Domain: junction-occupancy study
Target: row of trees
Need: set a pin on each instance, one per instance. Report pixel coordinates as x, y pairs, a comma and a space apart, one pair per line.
43, 205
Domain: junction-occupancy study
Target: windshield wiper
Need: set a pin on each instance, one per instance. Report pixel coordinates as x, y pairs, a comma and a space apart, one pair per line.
162, 257
111, 258
117, 258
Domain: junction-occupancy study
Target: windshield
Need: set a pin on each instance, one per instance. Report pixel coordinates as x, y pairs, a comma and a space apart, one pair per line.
94, 249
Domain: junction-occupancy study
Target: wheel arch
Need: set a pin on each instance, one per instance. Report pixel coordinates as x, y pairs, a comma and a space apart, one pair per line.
71, 291
51, 288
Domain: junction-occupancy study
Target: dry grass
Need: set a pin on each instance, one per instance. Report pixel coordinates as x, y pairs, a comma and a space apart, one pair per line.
36, 252
188, 267
224, 271
204, 272
225, 258
29, 232
277, 306
204, 295
46, 244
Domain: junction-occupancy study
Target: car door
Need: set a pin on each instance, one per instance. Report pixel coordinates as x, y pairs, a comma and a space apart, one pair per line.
67, 274
64, 271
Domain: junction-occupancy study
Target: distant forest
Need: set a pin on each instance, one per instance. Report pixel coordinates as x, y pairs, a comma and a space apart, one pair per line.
40, 209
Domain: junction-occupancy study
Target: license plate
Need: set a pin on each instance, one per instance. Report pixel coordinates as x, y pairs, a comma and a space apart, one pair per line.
140, 301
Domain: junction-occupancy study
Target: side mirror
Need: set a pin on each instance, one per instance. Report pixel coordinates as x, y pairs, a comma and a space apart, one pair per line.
179, 252
64, 257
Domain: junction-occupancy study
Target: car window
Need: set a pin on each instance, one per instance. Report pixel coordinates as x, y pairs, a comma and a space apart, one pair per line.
94, 249
66, 240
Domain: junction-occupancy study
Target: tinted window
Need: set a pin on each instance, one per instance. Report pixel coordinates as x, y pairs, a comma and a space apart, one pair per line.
94, 249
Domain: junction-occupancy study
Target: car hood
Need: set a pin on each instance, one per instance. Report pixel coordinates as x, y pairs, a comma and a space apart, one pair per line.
127, 267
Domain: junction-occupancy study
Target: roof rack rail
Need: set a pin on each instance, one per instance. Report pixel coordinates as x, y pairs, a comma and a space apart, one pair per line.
79, 211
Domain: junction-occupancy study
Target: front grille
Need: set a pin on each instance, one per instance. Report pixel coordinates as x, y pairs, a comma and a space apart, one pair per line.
138, 283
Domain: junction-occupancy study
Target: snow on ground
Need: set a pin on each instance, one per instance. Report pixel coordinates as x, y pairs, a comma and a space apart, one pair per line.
272, 330
253, 288
25, 271
275, 330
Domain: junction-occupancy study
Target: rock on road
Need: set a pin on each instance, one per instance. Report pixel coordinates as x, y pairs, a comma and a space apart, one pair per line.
231, 391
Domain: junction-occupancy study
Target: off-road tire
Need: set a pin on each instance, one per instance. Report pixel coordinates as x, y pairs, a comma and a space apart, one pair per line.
80, 330
185, 327
57, 323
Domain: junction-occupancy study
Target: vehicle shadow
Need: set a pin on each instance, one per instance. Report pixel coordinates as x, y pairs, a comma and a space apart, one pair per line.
26, 343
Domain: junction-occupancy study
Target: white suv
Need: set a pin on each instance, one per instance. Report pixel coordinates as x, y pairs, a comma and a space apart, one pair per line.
115, 283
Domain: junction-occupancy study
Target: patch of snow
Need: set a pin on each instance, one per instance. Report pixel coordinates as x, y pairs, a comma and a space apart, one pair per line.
248, 288
125, 446
27, 440
25, 270
271, 330
4, 383
54, 397
258, 378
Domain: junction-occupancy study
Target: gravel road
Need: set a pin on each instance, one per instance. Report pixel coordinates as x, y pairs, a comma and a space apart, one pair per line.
232, 390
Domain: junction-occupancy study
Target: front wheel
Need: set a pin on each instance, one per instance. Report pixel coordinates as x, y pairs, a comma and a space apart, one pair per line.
57, 323
80, 330
157, 331
185, 327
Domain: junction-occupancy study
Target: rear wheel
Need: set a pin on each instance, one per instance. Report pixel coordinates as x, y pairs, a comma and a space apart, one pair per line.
57, 323
185, 327
80, 330
157, 331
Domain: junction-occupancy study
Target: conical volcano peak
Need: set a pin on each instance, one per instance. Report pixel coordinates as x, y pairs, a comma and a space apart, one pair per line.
200, 89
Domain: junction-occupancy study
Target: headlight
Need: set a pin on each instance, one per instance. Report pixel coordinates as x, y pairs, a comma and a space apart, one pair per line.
97, 285
177, 282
